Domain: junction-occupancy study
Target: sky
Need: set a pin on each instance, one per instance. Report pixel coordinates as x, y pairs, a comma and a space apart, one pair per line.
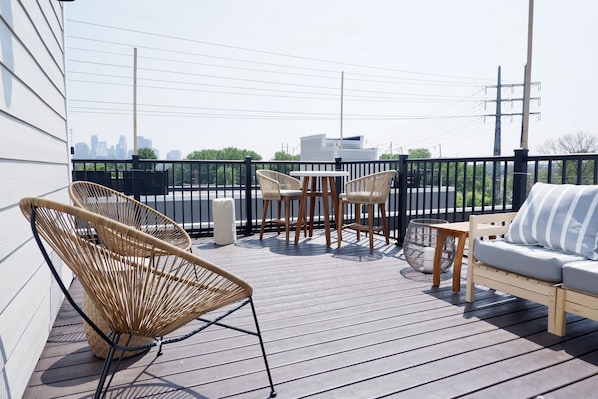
261, 74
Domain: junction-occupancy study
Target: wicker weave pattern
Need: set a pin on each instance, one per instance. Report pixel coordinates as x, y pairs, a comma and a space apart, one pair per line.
134, 294
276, 186
117, 206
368, 190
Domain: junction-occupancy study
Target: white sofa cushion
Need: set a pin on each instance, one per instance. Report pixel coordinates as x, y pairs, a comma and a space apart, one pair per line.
581, 276
563, 217
528, 260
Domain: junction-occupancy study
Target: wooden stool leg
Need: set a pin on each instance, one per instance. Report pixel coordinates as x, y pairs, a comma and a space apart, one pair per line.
358, 219
371, 225
302, 210
264, 214
312, 205
339, 223
326, 206
287, 217
384, 222
279, 203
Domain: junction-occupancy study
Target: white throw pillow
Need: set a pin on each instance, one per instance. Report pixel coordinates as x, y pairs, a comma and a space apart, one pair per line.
563, 217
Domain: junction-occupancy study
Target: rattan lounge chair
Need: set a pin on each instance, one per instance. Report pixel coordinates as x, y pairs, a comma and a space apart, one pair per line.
115, 205
368, 190
136, 294
276, 186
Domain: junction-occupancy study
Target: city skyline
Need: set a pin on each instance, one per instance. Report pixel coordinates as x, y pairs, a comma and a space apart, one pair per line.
100, 149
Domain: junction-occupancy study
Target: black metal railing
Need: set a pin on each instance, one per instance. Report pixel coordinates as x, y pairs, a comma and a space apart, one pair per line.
444, 188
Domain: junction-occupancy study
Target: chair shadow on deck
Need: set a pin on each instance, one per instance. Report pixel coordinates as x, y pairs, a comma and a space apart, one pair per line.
85, 365
314, 246
164, 391
88, 370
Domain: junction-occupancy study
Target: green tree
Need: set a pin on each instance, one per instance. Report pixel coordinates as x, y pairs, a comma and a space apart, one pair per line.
225, 154
389, 156
219, 174
146, 153
419, 153
285, 156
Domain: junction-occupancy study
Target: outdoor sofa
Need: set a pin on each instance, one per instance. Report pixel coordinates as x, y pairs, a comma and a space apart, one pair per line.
546, 252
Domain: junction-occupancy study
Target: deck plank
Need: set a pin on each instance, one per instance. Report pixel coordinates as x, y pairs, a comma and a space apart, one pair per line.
342, 323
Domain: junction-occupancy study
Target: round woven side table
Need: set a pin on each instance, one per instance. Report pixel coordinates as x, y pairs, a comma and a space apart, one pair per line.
419, 246
98, 346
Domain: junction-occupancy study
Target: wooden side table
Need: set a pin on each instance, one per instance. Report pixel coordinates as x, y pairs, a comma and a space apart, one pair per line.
459, 230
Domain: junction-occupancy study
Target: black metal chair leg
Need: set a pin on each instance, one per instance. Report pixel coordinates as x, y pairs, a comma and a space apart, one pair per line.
259, 335
106, 369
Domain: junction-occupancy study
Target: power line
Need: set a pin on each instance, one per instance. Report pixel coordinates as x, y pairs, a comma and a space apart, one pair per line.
259, 81
275, 112
323, 96
400, 80
262, 51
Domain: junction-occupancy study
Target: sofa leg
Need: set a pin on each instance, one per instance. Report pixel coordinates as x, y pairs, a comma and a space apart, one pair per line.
560, 317
469, 284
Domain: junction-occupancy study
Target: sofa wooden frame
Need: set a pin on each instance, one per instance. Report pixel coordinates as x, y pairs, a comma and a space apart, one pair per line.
538, 291
572, 301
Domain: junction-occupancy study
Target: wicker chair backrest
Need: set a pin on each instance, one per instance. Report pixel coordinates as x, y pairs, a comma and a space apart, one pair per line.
135, 294
126, 210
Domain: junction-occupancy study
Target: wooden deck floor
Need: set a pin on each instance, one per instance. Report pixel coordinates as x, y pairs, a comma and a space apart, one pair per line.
343, 324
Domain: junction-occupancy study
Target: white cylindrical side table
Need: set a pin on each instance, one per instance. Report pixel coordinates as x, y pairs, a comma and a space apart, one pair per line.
225, 231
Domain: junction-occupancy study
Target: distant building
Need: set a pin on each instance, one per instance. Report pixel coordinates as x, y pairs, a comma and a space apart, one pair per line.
121, 147
142, 142
319, 148
101, 149
94, 145
174, 155
82, 151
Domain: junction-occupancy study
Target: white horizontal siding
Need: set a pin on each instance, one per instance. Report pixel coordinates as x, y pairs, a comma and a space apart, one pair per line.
22, 103
44, 29
22, 66
34, 302
28, 35
25, 262
34, 161
30, 180
20, 141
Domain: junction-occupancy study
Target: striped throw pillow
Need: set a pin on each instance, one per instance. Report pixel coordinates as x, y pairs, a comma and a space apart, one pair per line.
563, 217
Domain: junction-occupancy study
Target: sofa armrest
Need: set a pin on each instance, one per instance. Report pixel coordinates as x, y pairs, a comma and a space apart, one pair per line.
495, 224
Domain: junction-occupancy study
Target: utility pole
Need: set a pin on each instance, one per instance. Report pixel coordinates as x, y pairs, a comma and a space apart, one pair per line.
528, 76
135, 101
499, 100
498, 112
342, 93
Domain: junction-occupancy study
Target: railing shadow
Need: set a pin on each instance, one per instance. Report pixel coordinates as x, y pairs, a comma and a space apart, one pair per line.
524, 319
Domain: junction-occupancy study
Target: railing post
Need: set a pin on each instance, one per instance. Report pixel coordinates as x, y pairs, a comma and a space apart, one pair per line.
248, 197
337, 182
519, 178
402, 208
135, 177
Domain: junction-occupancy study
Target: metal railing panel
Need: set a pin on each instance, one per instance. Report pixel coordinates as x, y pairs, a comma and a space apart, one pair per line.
442, 188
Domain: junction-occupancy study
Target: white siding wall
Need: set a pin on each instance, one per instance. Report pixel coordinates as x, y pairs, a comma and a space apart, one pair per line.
34, 161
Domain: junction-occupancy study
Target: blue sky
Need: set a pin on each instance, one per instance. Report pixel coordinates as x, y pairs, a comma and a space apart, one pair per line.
261, 74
